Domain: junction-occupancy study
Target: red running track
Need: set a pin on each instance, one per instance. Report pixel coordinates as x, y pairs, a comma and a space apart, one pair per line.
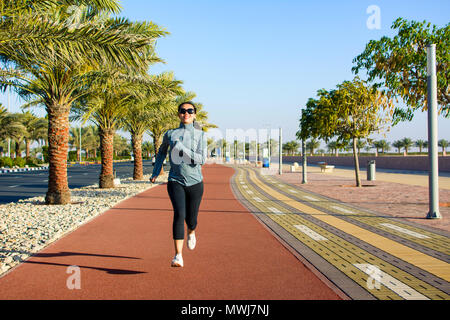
125, 253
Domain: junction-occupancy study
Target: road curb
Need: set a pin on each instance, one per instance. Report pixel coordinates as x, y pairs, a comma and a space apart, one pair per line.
3, 171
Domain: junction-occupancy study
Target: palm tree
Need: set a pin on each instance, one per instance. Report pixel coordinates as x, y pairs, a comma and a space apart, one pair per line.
407, 143
147, 148
53, 28
332, 146
137, 119
74, 139
419, 144
35, 129
443, 144
376, 145
360, 144
59, 76
120, 144
13, 128
398, 144
384, 145
290, 147
311, 145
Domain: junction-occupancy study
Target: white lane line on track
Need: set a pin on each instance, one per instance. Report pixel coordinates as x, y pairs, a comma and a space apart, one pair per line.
275, 210
400, 288
310, 233
310, 198
405, 231
341, 209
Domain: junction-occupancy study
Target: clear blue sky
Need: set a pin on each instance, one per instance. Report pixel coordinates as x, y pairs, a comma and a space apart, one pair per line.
254, 63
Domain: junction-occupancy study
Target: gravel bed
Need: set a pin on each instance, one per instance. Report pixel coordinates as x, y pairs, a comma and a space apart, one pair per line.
28, 226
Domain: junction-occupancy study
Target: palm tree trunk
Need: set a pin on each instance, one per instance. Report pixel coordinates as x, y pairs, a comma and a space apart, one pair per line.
27, 148
106, 148
17, 150
136, 141
58, 145
355, 156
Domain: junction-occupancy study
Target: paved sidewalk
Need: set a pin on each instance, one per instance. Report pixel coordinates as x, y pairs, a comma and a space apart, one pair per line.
399, 195
367, 253
125, 253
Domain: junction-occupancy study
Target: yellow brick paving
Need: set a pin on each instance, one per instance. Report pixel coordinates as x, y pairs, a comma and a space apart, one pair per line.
423, 261
434, 241
337, 251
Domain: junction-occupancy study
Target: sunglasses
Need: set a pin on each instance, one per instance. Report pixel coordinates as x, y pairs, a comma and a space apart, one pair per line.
190, 111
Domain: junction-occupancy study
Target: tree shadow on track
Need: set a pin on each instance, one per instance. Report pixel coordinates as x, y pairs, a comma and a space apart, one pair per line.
66, 254
108, 270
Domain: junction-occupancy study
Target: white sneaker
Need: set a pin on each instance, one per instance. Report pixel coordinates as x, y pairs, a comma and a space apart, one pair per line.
177, 261
192, 241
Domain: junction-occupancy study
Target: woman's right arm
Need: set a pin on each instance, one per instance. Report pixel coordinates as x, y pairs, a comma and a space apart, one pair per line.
162, 153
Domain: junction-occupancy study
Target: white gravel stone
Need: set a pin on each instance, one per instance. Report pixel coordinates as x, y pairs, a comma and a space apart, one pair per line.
29, 225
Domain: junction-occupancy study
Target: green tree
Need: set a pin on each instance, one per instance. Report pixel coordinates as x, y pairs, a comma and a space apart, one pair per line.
352, 111
312, 145
120, 145
147, 148
60, 76
384, 145
332, 147
400, 63
420, 144
398, 144
291, 147
16, 130
139, 113
407, 143
443, 144
360, 144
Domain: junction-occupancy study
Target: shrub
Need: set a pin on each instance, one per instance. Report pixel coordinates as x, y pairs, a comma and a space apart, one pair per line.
32, 162
19, 162
73, 156
6, 162
45, 153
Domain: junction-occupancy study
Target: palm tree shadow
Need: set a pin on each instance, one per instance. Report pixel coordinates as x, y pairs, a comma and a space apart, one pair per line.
65, 254
107, 270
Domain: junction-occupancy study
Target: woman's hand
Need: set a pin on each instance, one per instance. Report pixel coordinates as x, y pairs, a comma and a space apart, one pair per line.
152, 179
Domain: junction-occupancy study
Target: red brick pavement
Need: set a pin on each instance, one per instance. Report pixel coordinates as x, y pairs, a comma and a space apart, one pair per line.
393, 199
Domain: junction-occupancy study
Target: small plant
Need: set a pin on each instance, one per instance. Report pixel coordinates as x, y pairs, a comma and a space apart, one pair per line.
6, 162
20, 162
32, 162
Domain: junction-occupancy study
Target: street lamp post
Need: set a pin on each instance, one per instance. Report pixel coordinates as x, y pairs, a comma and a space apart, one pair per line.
280, 152
433, 174
304, 165
9, 139
80, 143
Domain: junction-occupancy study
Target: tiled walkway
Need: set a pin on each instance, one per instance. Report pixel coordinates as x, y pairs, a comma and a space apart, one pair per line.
366, 253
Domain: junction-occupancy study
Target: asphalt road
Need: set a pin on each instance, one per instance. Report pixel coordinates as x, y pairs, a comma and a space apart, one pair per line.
22, 185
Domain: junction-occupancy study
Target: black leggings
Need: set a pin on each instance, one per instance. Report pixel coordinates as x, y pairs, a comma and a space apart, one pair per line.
185, 203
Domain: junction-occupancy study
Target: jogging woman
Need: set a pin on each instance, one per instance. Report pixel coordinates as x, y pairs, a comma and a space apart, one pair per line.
185, 183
